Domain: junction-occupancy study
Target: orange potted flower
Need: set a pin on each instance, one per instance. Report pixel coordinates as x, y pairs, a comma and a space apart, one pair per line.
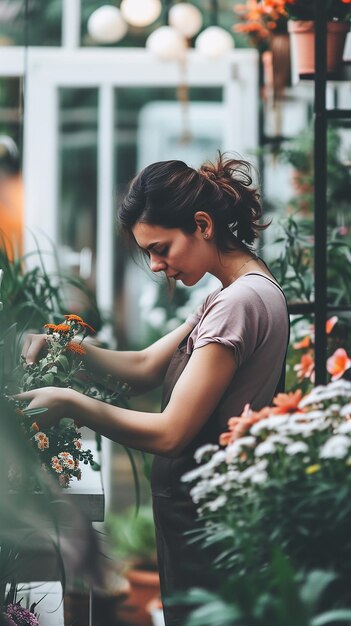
265, 24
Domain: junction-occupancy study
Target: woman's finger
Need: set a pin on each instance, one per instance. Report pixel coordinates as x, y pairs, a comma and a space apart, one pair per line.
32, 347
25, 395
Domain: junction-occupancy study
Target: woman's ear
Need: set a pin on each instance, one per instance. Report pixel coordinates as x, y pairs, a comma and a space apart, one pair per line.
204, 224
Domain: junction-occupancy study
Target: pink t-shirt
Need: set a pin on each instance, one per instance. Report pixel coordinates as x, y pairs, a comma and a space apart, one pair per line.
249, 317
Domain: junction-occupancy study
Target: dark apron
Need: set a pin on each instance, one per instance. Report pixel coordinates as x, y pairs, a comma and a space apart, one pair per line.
181, 566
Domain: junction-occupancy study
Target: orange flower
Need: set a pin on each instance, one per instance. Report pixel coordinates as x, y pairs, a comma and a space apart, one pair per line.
304, 343
73, 318
238, 426
225, 438
305, 369
332, 321
78, 320
77, 348
58, 328
286, 402
338, 363
62, 328
50, 326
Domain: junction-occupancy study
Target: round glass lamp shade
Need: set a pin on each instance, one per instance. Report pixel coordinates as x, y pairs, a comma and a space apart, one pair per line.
141, 12
185, 18
166, 43
214, 41
106, 25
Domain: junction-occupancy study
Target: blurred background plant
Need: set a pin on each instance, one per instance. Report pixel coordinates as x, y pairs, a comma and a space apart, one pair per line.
260, 20
298, 153
132, 537
32, 298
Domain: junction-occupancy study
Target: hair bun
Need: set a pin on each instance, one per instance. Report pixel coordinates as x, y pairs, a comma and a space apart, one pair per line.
209, 171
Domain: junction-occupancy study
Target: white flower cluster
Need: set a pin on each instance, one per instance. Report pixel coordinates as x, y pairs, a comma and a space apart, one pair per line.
319, 431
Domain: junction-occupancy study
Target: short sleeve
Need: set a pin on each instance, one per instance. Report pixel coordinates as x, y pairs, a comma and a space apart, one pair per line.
236, 318
194, 318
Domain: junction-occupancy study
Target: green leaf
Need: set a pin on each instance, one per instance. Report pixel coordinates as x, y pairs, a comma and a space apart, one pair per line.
338, 615
31, 412
47, 380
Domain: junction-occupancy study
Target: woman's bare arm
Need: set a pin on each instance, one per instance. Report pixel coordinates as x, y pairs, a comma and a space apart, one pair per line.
195, 396
142, 370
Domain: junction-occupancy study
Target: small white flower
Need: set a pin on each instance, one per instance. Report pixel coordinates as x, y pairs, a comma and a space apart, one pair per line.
346, 410
200, 452
246, 442
248, 473
335, 408
298, 447
232, 451
259, 477
218, 480
199, 491
217, 458
344, 429
328, 392
336, 447
217, 503
266, 447
198, 472
269, 423
280, 439
306, 429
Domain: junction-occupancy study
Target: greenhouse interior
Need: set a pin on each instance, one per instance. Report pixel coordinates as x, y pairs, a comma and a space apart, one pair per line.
175, 312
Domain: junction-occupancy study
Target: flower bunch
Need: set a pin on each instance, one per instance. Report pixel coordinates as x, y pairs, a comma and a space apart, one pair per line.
297, 437
280, 478
59, 448
337, 363
17, 615
259, 20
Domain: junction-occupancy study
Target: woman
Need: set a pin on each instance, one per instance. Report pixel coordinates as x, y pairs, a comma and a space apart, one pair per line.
229, 352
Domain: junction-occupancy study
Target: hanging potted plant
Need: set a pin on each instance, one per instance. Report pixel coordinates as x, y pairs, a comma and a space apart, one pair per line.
301, 28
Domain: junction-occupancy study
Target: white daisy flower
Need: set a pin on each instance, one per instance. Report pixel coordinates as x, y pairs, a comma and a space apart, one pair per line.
298, 447
336, 447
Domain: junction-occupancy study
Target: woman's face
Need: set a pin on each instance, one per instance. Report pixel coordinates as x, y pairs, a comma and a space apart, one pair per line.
180, 255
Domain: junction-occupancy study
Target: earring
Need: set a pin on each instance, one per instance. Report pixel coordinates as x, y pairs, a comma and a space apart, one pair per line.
206, 236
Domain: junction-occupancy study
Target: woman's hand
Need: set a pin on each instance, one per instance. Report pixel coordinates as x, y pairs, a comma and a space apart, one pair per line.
33, 347
59, 403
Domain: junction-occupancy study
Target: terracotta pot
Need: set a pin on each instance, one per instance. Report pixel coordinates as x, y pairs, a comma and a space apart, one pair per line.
144, 586
302, 42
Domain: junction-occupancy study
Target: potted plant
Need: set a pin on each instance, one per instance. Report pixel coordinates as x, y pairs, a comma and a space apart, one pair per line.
301, 15
132, 536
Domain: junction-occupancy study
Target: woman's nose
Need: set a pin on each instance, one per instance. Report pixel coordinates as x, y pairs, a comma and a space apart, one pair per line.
157, 265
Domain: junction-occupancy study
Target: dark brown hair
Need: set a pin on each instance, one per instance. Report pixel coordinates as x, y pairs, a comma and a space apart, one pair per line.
169, 193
